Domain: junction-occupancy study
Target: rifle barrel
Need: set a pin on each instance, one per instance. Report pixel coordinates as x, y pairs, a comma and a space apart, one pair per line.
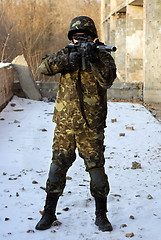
108, 48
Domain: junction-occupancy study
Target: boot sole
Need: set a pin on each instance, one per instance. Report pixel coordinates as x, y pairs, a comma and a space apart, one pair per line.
43, 227
104, 229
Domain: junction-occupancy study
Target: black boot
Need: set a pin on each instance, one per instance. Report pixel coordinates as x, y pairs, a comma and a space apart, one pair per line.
101, 219
48, 216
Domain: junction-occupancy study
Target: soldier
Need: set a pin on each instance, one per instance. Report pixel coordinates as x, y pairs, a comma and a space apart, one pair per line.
80, 116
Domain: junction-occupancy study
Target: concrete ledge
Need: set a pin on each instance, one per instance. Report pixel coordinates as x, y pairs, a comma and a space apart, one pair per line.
48, 89
6, 84
25, 77
125, 91
119, 90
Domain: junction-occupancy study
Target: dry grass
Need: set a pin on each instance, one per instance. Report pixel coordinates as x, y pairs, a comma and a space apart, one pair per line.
34, 28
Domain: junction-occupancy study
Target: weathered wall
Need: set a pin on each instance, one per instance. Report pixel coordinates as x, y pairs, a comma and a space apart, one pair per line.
115, 3
112, 26
6, 84
134, 27
152, 51
134, 44
103, 12
120, 41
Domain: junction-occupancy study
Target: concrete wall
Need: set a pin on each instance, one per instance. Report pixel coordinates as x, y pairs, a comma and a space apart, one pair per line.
120, 42
134, 27
119, 91
152, 51
115, 3
6, 84
134, 43
47, 89
125, 91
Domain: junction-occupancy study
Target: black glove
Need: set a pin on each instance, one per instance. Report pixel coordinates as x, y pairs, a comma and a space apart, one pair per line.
75, 59
92, 53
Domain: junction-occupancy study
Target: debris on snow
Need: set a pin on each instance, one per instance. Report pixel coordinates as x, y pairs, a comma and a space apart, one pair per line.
149, 196
116, 195
130, 128
44, 130
18, 110
16, 121
30, 231
113, 120
122, 134
123, 225
34, 182
41, 212
136, 165
17, 194
68, 178
129, 235
65, 209
56, 223
13, 104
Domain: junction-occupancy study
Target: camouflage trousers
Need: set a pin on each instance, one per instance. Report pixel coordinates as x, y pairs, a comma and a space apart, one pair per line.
90, 147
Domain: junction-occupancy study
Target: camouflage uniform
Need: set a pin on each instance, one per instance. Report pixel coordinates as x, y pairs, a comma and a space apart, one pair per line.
76, 127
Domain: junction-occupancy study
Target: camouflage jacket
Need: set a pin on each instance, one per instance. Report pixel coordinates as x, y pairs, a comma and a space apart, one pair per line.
82, 94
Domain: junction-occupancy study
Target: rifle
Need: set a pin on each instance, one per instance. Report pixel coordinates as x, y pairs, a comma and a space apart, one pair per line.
83, 45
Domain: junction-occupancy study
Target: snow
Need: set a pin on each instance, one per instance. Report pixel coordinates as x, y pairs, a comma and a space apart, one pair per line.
26, 132
4, 64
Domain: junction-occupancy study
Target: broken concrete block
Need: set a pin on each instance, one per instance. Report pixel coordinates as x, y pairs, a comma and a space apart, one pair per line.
25, 77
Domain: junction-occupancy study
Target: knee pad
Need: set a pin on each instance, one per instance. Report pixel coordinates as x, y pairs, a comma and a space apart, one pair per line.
56, 173
98, 177
99, 182
56, 180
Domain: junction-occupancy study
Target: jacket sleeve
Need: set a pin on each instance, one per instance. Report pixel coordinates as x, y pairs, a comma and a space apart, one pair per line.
104, 69
55, 63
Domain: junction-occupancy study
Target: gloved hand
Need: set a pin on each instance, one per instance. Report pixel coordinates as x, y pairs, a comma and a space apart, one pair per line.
92, 53
75, 59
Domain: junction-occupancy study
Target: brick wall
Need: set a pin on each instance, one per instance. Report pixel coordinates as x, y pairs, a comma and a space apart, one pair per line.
6, 84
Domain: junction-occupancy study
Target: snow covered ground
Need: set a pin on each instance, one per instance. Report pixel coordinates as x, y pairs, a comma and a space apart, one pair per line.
134, 202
